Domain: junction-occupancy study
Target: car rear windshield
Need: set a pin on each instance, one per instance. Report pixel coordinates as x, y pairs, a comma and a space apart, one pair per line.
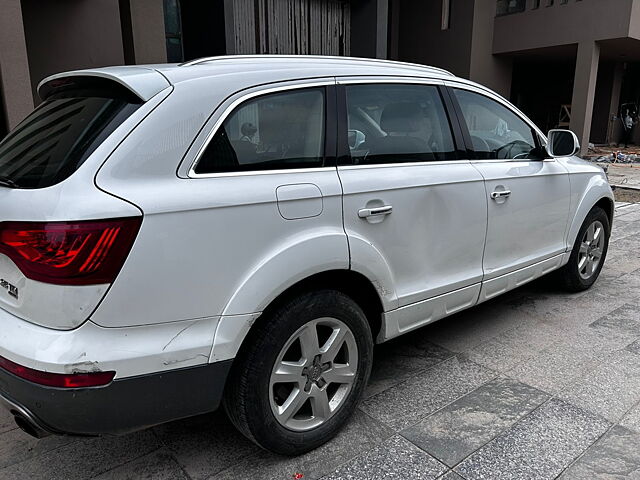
56, 138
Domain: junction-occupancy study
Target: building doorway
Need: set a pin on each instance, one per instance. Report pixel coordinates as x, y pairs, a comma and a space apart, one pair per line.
543, 89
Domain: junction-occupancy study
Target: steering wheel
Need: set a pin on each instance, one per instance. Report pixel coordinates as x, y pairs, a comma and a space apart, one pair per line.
508, 147
480, 144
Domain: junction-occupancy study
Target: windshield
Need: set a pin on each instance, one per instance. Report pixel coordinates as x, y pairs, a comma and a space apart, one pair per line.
51, 143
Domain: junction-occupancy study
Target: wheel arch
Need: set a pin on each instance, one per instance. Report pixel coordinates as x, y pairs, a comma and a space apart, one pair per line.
597, 193
608, 205
353, 284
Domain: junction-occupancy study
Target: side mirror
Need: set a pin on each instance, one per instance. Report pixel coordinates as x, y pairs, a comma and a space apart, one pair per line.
355, 138
562, 143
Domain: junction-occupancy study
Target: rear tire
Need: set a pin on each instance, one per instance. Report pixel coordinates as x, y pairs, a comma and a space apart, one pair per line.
588, 254
300, 373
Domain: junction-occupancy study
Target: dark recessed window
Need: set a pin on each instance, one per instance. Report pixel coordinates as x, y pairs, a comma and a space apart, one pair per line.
536, 4
506, 7
173, 31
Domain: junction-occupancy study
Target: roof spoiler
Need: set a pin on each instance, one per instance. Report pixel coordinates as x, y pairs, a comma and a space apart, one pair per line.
143, 82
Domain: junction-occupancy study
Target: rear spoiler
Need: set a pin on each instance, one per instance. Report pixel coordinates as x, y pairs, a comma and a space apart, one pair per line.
141, 81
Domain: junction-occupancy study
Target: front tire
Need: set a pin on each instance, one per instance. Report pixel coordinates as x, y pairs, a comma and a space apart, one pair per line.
589, 252
300, 373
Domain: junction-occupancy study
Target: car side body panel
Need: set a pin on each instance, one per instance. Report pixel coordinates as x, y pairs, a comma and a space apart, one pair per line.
226, 268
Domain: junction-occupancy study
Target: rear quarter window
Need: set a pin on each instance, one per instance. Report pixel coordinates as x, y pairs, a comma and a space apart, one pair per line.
56, 138
282, 130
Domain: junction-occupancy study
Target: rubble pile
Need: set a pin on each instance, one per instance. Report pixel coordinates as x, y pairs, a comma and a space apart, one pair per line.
617, 157
613, 155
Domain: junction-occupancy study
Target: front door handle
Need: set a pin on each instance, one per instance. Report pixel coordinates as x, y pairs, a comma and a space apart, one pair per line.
375, 212
501, 194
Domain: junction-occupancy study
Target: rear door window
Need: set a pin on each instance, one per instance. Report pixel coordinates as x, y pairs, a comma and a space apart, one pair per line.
275, 131
397, 123
57, 137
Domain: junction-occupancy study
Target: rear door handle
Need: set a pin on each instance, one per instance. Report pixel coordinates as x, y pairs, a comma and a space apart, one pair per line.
501, 194
375, 212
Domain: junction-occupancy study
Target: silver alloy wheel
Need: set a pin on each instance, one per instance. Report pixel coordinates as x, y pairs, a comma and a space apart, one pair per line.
313, 374
591, 249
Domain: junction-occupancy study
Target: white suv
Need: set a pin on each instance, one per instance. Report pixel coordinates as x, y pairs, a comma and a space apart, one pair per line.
241, 230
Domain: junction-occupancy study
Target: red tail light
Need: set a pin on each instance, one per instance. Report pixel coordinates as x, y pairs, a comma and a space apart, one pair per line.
69, 253
60, 380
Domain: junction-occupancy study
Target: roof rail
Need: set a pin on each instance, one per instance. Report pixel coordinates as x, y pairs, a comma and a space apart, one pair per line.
199, 61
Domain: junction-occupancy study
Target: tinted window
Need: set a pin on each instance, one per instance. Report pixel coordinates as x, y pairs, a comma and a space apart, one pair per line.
276, 131
173, 30
397, 123
52, 142
504, 7
496, 132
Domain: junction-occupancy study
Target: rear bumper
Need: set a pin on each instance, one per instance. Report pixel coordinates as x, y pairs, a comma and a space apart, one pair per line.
123, 406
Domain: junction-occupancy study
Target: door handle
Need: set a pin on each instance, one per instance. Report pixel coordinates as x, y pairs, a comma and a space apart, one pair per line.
375, 212
502, 194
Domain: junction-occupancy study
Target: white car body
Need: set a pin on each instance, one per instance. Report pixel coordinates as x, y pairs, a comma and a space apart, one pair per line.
215, 250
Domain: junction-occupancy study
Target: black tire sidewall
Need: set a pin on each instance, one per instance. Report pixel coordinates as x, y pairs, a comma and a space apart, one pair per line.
573, 280
261, 355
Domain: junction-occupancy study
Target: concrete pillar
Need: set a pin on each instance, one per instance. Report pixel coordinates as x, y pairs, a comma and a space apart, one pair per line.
382, 25
15, 80
143, 31
230, 26
484, 67
584, 88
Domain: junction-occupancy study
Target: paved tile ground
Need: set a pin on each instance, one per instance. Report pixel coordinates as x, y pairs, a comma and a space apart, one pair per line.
535, 384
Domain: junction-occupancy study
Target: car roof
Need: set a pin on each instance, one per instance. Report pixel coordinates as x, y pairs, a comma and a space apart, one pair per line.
242, 71
291, 67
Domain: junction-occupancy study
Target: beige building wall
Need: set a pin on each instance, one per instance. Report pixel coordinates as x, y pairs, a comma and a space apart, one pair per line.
143, 31
564, 24
15, 81
485, 68
422, 39
68, 35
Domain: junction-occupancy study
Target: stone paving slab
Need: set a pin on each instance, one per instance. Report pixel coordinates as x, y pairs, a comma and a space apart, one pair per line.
611, 389
462, 427
451, 475
534, 384
513, 347
571, 356
622, 322
540, 446
191, 442
394, 459
362, 434
470, 328
397, 361
6, 421
83, 459
159, 465
615, 456
16, 447
409, 402
631, 420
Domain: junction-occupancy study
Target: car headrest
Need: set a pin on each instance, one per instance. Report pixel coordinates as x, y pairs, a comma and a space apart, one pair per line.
402, 117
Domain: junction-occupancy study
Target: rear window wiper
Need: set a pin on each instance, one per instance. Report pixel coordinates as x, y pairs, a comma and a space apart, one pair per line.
7, 182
